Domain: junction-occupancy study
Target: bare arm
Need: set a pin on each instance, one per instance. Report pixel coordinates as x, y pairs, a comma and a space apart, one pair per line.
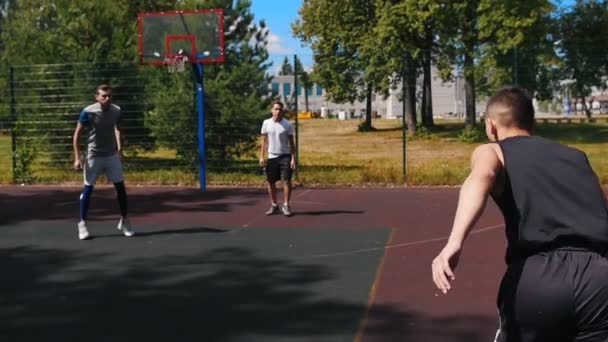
117, 134
263, 148
292, 150
474, 192
76, 146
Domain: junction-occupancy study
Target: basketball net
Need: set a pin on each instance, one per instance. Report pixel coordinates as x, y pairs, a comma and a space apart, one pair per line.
176, 63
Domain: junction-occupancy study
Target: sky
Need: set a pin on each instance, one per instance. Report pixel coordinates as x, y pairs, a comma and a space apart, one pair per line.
279, 15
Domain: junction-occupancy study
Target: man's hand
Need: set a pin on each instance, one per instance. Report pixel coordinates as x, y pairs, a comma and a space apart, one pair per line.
443, 267
262, 162
292, 164
77, 164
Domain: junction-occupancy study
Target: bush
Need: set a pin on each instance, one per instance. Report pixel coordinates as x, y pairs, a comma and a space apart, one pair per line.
25, 155
470, 136
364, 127
422, 133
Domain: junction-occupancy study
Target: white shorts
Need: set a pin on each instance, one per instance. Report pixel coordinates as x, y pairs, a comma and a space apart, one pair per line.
110, 165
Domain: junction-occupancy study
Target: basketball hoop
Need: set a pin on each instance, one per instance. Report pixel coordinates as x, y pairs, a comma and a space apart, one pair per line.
176, 63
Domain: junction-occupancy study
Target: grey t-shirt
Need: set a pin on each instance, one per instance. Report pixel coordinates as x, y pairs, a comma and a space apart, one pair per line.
101, 141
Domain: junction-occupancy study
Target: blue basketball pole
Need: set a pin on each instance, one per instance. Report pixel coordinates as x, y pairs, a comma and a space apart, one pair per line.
200, 95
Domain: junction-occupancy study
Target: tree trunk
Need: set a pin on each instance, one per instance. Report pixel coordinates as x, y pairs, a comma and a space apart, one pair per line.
470, 43
368, 107
409, 95
427, 93
306, 98
469, 89
586, 109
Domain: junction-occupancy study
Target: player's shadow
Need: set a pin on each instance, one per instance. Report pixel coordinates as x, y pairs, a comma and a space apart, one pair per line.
180, 231
327, 212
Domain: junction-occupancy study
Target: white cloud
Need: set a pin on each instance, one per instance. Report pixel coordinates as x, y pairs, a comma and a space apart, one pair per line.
275, 45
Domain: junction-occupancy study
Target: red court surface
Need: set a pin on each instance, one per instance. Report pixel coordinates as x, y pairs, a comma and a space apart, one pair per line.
419, 218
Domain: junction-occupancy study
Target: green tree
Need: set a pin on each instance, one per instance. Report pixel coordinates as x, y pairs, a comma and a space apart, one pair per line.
335, 30
5, 115
304, 81
392, 51
485, 29
410, 38
286, 68
53, 34
75, 32
583, 30
521, 50
428, 20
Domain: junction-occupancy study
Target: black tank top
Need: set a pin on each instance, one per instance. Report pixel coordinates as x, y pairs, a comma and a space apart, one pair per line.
551, 198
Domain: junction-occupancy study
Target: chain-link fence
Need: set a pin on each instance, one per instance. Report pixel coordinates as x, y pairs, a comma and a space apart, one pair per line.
160, 138
160, 125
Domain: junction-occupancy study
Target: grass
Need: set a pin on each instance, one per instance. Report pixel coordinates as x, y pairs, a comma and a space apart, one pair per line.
6, 170
333, 152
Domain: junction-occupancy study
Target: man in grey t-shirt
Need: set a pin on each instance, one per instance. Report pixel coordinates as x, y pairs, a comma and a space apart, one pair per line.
103, 148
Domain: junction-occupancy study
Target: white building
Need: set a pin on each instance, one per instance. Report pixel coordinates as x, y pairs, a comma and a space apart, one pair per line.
448, 99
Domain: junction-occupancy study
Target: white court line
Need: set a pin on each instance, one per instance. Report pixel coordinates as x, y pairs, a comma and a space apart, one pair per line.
300, 193
400, 245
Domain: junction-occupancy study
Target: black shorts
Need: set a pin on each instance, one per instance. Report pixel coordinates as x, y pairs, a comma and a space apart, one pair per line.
560, 295
278, 168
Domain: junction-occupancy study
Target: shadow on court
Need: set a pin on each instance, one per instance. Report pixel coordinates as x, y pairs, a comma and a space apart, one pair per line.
328, 212
57, 204
181, 231
225, 294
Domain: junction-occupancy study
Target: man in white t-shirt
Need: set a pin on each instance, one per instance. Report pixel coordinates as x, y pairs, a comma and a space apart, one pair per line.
277, 141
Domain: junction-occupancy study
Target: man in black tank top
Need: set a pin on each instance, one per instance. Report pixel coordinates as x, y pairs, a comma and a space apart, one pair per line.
556, 218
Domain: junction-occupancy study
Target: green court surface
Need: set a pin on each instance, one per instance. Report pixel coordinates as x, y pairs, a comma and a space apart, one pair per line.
186, 283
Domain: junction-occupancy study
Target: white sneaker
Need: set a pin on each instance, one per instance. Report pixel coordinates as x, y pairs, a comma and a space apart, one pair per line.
286, 210
83, 232
125, 227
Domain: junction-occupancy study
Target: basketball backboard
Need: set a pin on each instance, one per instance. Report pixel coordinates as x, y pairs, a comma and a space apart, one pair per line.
199, 34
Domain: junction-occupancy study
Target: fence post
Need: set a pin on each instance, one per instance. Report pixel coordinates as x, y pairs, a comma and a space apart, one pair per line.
404, 136
295, 86
13, 106
200, 105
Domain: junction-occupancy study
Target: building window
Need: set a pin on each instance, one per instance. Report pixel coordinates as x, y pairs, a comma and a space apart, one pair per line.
286, 89
299, 90
319, 90
275, 88
309, 91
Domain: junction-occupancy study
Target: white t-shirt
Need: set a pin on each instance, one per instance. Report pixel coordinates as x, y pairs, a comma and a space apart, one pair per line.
278, 136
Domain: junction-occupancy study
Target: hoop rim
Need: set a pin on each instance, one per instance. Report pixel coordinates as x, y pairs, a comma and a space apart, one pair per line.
175, 64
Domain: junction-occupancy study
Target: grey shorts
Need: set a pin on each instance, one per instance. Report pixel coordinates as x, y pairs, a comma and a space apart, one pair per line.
110, 166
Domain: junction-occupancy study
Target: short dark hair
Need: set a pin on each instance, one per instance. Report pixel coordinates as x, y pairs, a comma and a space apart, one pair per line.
279, 103
103, 87
520, 105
